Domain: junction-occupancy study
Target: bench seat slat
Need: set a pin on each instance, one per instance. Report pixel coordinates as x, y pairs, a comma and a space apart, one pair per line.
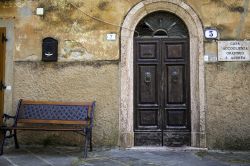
73, 122
44, 128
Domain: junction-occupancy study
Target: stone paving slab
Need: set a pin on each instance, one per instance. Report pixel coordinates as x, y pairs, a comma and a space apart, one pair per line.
69, 156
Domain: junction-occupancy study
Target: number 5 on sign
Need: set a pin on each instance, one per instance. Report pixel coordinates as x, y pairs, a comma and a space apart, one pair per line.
211, 34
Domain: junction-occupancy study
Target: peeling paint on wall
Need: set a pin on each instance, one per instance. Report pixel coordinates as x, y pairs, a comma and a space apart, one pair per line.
103, 5
75, 50
242, 19
25, 11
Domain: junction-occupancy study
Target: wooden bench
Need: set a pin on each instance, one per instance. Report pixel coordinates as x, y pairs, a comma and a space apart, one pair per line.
51, 116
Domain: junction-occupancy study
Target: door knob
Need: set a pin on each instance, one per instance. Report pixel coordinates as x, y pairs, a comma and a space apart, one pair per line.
147, 77
175, 76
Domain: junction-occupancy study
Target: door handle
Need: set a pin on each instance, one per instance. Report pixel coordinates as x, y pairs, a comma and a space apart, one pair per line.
175, 76
147, 77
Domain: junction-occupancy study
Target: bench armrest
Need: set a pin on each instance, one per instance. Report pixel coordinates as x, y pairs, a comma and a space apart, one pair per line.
7, 117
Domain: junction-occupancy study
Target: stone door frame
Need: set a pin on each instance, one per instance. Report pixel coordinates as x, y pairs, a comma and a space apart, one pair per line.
197, 79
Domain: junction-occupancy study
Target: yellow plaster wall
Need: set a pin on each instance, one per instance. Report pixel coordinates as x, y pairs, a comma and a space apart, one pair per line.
81, 26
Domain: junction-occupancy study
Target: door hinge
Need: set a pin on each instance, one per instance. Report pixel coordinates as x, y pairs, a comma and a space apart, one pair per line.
4, 39
2, 86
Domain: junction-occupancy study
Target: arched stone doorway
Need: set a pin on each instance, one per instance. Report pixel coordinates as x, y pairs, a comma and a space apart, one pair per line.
161, 81
197, 86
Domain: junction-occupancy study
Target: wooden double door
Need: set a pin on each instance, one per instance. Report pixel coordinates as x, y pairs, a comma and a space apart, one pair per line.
161, 92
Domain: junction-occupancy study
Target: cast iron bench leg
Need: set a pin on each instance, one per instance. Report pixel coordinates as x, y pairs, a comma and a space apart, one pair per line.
86, 143
90, 139
2, 142
15, 139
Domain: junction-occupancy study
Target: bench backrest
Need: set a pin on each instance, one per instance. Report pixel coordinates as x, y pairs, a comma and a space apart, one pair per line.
55, 112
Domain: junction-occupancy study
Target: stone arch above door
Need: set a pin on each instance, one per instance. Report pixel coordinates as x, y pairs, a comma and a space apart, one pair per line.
197, 87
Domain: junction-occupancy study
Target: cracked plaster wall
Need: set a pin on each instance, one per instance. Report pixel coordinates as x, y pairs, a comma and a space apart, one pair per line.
82, 38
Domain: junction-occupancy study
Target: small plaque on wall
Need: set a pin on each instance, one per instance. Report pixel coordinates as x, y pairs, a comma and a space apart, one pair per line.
233, 50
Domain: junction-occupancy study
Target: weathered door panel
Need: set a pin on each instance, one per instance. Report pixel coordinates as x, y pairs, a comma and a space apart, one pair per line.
175, 85
147, 85
148, 138
176, 138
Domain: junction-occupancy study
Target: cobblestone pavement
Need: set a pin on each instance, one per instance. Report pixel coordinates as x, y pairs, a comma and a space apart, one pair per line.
68, 156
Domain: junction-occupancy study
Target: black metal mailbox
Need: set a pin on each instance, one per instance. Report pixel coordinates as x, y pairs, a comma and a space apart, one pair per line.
49, 49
